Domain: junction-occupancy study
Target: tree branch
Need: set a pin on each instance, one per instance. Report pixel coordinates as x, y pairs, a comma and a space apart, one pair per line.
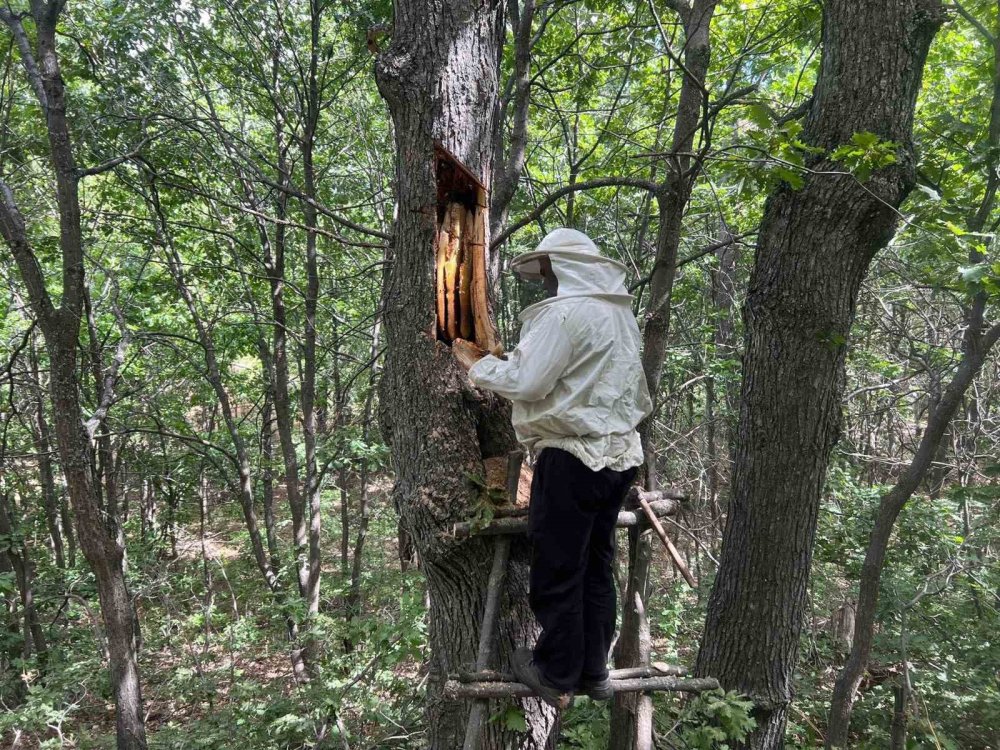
553, 197
112, 163
6, 371
956, 5
27, 56
16, 236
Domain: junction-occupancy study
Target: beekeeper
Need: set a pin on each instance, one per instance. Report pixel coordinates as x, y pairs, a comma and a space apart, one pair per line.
578, 393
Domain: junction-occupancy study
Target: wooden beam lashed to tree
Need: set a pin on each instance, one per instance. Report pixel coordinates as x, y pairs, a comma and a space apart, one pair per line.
495, 690
518, 524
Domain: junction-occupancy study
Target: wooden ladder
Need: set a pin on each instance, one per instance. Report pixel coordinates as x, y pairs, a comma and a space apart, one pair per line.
641, 509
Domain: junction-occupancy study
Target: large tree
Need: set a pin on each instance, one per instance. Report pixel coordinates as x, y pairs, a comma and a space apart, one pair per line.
814, 249
439, 77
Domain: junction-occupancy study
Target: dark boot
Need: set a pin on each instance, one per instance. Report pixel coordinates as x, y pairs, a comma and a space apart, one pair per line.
528, 673
598, 690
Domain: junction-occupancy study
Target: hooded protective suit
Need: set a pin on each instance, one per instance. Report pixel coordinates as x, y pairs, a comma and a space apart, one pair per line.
575, 379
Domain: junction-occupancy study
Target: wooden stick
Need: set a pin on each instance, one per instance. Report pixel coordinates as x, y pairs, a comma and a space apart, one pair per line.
671, 670
519, 525
651, 496
455, 690
491, 612
671, 549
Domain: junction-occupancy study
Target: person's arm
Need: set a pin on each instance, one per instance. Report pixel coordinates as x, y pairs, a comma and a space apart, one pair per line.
532, 370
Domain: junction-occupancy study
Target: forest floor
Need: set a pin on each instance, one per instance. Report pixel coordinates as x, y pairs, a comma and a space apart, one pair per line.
217, 673
215, 662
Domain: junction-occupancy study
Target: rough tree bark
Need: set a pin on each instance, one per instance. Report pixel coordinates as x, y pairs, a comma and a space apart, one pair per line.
814, 249
976, 345
439, 79
60, 326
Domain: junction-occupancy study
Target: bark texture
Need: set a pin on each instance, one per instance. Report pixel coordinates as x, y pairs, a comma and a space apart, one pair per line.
439, 78
814, 249
976, 346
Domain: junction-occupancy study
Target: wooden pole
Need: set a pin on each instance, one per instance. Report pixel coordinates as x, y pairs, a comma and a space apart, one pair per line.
664, 670
455, 690
491, 613
519, 524
671, 549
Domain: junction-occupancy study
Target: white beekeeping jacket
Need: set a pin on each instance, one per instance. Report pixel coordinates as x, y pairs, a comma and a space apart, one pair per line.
575, 379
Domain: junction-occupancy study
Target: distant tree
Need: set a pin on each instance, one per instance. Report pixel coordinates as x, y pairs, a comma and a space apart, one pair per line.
97, 526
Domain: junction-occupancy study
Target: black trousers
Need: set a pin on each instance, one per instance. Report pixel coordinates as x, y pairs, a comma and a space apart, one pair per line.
572, 529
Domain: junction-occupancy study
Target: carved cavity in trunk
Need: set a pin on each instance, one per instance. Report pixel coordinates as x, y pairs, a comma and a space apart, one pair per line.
460, 246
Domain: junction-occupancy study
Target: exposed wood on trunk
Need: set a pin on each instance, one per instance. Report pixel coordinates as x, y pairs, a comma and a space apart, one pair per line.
455, 220
439, 79
443, 243
465, 277
486, 332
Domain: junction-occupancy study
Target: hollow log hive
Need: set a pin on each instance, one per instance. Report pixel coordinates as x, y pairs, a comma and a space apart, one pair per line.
462, 291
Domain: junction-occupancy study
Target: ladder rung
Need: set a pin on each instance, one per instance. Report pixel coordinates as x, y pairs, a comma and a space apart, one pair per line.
516, 525
664, 670
455, 690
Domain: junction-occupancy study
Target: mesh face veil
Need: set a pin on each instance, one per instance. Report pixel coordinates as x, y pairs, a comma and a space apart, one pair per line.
529, 288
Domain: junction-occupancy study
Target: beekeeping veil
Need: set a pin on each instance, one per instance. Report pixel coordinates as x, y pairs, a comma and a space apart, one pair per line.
579, 268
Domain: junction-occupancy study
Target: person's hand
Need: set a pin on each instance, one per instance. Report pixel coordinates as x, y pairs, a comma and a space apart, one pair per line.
467, 353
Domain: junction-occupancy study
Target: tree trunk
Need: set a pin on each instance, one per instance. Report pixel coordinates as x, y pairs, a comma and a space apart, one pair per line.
814, 249
308, 394
43, 447
267, 479
99, 542
19, 562
354, 596
98, 534
439, 78
632, 713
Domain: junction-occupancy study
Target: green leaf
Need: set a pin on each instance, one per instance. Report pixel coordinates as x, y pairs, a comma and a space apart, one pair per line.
790, 176
760, 116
